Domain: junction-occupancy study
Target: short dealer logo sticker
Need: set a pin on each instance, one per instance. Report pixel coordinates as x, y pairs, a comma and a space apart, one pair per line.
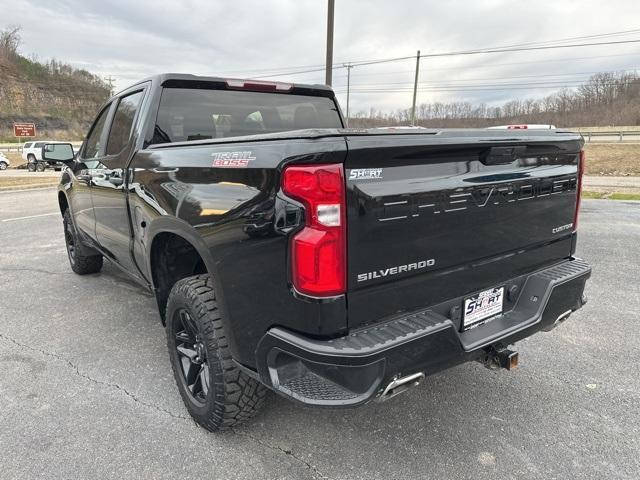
232, 159
365, 173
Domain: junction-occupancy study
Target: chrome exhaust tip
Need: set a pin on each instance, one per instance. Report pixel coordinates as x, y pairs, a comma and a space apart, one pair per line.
400, 385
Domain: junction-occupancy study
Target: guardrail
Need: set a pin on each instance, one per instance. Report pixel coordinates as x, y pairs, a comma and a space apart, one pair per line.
18, 148
608, 137
594, 137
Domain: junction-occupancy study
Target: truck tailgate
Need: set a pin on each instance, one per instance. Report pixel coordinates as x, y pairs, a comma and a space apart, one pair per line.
435, 216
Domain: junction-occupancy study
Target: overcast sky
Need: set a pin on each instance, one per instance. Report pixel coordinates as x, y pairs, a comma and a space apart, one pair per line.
134, 39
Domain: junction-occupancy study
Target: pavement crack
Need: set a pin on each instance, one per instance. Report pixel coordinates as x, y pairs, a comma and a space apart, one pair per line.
314, 470
78, 372
33, 270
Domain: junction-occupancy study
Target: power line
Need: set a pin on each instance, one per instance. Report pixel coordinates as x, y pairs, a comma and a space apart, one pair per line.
480, 88
458, 53
576, 74
315, 67
492, 65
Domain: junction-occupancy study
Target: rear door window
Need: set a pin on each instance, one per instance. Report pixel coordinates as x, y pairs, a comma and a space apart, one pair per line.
27, 145
200, 114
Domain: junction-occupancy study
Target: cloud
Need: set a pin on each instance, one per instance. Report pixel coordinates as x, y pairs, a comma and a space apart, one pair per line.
131, 40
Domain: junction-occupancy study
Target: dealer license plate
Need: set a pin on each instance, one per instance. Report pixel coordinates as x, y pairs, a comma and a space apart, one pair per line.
480, 307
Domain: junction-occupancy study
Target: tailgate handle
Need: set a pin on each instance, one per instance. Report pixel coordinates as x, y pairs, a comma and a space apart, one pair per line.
501, 155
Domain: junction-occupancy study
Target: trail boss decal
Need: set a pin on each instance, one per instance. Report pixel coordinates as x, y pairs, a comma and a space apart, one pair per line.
232, 159
386, 272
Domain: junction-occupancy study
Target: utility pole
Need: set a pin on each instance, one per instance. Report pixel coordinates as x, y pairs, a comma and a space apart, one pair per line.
415, 90
348, 66
110, 80
329, 64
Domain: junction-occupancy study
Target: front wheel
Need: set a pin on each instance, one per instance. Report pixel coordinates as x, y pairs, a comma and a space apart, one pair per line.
40, 167
3, 165
31, 167
80, 264
215, 391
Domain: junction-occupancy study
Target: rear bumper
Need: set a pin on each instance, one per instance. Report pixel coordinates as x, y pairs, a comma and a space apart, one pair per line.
354, 369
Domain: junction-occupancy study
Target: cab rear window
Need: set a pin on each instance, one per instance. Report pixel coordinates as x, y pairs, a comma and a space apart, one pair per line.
200, 114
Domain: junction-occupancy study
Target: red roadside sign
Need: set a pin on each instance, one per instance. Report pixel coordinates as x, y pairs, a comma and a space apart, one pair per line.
24, 129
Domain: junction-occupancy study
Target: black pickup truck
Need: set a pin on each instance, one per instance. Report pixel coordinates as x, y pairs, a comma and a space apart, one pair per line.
333, 266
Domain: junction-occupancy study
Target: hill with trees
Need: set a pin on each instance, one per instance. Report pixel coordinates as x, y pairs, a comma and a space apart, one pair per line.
606, 99
60, 99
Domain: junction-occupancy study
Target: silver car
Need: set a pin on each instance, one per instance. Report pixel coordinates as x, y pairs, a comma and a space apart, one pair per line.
4, 162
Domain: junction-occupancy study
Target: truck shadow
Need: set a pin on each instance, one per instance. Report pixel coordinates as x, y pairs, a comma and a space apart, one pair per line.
465, 416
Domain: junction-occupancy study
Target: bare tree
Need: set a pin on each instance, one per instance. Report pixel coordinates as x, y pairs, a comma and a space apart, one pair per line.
10, 41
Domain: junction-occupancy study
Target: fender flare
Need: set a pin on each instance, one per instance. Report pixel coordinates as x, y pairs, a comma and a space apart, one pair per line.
176, 226
182, 229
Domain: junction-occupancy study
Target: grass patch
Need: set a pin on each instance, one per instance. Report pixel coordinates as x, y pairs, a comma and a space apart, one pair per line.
592, 194
16, 183
624, 196
612, 159
611, 196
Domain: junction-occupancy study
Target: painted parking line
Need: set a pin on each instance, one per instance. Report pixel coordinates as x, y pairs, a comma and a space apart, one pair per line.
30, 216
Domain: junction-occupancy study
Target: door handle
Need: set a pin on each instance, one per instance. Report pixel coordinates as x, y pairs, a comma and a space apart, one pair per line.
85, 177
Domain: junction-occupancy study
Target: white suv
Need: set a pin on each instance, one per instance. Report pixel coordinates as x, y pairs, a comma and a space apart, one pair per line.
32, 154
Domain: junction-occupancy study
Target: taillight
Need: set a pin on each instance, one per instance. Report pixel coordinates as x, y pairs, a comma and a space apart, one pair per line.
578, 190
318, 251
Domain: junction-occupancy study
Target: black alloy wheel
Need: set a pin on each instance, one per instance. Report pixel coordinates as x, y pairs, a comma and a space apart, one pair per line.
192, 355
70, 241
80, 262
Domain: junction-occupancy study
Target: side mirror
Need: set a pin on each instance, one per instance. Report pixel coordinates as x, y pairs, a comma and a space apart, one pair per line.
58, 152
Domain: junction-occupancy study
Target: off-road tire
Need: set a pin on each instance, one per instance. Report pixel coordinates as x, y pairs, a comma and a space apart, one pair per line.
232, 395
3, 165
80, 264
31, 166
40, 167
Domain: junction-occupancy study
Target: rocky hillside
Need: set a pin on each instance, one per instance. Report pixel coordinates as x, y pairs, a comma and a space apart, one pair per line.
58, 98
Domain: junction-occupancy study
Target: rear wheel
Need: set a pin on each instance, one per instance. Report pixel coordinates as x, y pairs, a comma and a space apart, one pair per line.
215, 391
31, 166
80, 264
40, 167
3, 165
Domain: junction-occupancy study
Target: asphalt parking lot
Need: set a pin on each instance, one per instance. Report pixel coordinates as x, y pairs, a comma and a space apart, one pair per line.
86, 389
